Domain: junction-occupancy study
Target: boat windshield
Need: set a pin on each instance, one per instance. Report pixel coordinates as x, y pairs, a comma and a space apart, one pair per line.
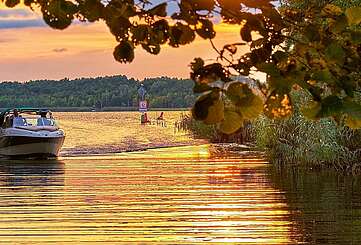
33, 121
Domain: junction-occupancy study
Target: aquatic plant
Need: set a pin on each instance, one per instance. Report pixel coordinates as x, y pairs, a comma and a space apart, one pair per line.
299, 141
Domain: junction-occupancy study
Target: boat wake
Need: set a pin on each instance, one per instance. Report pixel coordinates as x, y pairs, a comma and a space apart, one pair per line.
109, 149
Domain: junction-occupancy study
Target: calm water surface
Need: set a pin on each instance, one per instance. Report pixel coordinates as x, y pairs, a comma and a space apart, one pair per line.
107, 132
178, 195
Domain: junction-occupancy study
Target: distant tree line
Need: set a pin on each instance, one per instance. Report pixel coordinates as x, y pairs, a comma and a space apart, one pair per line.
117, 91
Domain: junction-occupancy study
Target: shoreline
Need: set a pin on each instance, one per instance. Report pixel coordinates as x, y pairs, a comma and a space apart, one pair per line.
232, 150
107, 109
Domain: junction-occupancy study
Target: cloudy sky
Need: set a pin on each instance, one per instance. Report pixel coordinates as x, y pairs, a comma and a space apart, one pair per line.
31, 50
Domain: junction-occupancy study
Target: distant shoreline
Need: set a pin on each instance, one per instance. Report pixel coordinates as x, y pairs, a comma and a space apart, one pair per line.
106, 109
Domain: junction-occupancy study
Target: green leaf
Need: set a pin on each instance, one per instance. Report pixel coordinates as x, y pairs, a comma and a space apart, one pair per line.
334, 52
347, 84
331, 9
11, 3
269, 68
246, 33
280, 85
200, 107
92, 10
206, 30
231, 123
159, 32
256, 4
312, 110
273, 15
201, 88
140, 33
339, 24
209, 108
186, 13
258, 43
252, 109
279, 56
245, 101
116, 8
197, 64
181, 34
210, 73
237, 92
119, 27
261, 55
301, 49
353, 15
159, 10
331, 105
353, 111
200, 4
215, 112
58, 14
356, 37
124, 52
323, 75
312, 33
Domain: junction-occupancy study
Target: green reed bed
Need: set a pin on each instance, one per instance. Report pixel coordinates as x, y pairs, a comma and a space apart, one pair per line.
292, 141
316, 144
197, 128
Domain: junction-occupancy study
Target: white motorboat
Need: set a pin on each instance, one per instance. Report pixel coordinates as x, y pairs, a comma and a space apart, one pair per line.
29, 132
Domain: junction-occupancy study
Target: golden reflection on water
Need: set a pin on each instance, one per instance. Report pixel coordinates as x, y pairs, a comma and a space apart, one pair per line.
172, 196
99, 132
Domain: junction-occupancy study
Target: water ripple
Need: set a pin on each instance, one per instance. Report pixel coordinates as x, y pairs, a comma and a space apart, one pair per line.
142, 198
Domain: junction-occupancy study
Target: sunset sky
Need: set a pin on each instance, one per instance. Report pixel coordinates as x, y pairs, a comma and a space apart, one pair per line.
31, 50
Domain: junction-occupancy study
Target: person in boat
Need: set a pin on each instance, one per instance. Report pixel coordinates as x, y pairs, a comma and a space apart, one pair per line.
16, 113
18, 120
43, 121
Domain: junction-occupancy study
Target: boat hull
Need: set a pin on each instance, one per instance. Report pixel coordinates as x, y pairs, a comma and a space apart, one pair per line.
25, 146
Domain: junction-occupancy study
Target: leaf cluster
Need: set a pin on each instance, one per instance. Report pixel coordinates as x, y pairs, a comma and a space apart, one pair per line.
309, 45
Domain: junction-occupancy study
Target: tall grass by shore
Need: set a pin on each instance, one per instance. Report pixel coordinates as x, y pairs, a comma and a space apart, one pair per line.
315, 144
294, 141
298, 141
196, 128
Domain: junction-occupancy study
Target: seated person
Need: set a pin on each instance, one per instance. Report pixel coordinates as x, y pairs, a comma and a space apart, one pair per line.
19, 121
43, 121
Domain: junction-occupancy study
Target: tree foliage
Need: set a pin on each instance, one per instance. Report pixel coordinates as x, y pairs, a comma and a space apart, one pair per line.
111, 91
309, 45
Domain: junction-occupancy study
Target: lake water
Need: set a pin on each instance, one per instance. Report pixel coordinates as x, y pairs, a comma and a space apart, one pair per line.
178, 195
107, 132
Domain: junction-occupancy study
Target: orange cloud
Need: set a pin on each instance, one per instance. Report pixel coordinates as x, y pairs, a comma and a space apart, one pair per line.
35, 52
